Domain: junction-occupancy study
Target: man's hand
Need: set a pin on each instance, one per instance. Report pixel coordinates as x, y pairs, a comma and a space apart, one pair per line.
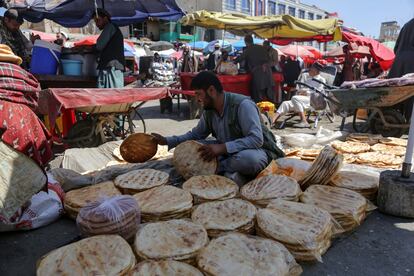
34, 37
210, 152
161, 140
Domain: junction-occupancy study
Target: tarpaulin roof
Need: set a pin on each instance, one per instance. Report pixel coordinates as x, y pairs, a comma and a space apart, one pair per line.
77, 13
278, 27
382, 54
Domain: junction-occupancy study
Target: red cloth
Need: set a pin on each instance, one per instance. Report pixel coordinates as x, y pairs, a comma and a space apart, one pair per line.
287, 41
382, 54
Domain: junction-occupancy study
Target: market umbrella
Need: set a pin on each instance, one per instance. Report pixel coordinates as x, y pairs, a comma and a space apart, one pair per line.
296, 51
224, 44
316, 53
239, 45
161, 46
198, 45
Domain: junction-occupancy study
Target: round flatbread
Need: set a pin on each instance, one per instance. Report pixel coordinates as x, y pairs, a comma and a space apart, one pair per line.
174, 239
262, 190
99, 255
227, 215
355, 180
140, 180
210, 187
164, 268
378, 159
138, 148
164, 202
388, 149
188, 162
367, 138
350, 147
79, 198
239, 254
293, 168
392, 141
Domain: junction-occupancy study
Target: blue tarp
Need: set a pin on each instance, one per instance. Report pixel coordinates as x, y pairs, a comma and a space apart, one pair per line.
238, 45
78, 13
224, 44
198, 44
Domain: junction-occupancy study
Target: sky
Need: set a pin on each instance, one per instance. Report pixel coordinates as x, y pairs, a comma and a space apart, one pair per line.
367, 15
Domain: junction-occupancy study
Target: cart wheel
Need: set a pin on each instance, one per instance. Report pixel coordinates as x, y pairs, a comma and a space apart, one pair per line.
360, 127
82, 129
266, 120
391, 116
134, 122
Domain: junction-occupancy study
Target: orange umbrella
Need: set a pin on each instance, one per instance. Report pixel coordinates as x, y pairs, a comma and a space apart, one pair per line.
297, 51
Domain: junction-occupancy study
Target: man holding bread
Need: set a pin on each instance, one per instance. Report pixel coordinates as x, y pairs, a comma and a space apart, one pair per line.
243, 145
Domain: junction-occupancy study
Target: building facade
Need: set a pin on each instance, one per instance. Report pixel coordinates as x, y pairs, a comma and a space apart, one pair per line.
389, 31
294, 8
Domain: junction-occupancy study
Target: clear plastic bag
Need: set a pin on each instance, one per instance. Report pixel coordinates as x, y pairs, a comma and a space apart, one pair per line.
114, 215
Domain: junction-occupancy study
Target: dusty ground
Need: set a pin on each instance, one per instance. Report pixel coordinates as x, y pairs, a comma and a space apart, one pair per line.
382, 245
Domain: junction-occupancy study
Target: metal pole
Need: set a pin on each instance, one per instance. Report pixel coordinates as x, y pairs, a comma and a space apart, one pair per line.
406, 168
103, 4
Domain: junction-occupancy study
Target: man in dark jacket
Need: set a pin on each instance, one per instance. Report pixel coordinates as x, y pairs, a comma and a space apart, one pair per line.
110, 45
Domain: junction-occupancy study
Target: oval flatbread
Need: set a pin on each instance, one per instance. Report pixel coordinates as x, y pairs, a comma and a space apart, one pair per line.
138, 148
362, 183
164, 268
388, 149
140, 180
350, 147
392, 141
239, 254
79, 198
188, 162
210, 187
174, 239
263, 190
98, 255
227, 215
164, 202
377, 159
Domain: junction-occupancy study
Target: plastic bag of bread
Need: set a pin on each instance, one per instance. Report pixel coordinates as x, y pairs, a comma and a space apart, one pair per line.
110, 215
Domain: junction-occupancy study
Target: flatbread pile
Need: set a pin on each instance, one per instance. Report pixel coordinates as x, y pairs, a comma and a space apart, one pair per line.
98, 255
390, 149
210, 187
379, 160
370, 139
362, 183
304, 229
291, 167
347, 207
163, 203
263, 190
350, 147
392, 141
79, 198
164, 268
179, 240
115, 215
326, 165
239, 254
140, 180
188, 162
304, 154
138, 148
219, 217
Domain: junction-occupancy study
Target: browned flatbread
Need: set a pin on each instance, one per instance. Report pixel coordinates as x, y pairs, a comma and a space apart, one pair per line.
140, 180
188, 162
394, 141
378, 159
164, 268
389, 149
350, 147
210, 187
138, 148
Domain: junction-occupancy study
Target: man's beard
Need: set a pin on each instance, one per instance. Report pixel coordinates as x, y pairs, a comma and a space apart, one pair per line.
208, 103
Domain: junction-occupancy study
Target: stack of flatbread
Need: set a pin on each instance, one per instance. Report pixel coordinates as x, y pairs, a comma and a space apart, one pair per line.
140, 180
379, 160
304, 154
115, 215
210, 187
304, 229
239, 254
228, 215
350, 147
77, 199
138, 148
392, 141
389, 149
179, 240
264, 189
326, 165
370, 139
188, 161
164, 268
360, 182
163, 203
347, 207
98, 255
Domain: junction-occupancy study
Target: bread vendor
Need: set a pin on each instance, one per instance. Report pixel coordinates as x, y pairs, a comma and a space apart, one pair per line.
243, 146
110, 45
12, 36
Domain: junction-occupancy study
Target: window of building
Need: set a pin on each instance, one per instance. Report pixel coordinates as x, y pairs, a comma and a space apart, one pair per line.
245, 6
139, 30
292, 11
319, 17
302, 14
230, 4
311, 16
281, 9
271, 8
188, 30
260, 7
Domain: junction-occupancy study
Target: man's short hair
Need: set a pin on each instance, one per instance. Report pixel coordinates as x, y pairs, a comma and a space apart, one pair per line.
206, 79
317, 66
248, 39
102, 13
13, 14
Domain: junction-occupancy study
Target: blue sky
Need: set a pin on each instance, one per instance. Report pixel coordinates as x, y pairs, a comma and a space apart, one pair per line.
367, 15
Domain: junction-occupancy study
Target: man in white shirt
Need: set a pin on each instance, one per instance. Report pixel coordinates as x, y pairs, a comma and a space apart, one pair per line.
301, 101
